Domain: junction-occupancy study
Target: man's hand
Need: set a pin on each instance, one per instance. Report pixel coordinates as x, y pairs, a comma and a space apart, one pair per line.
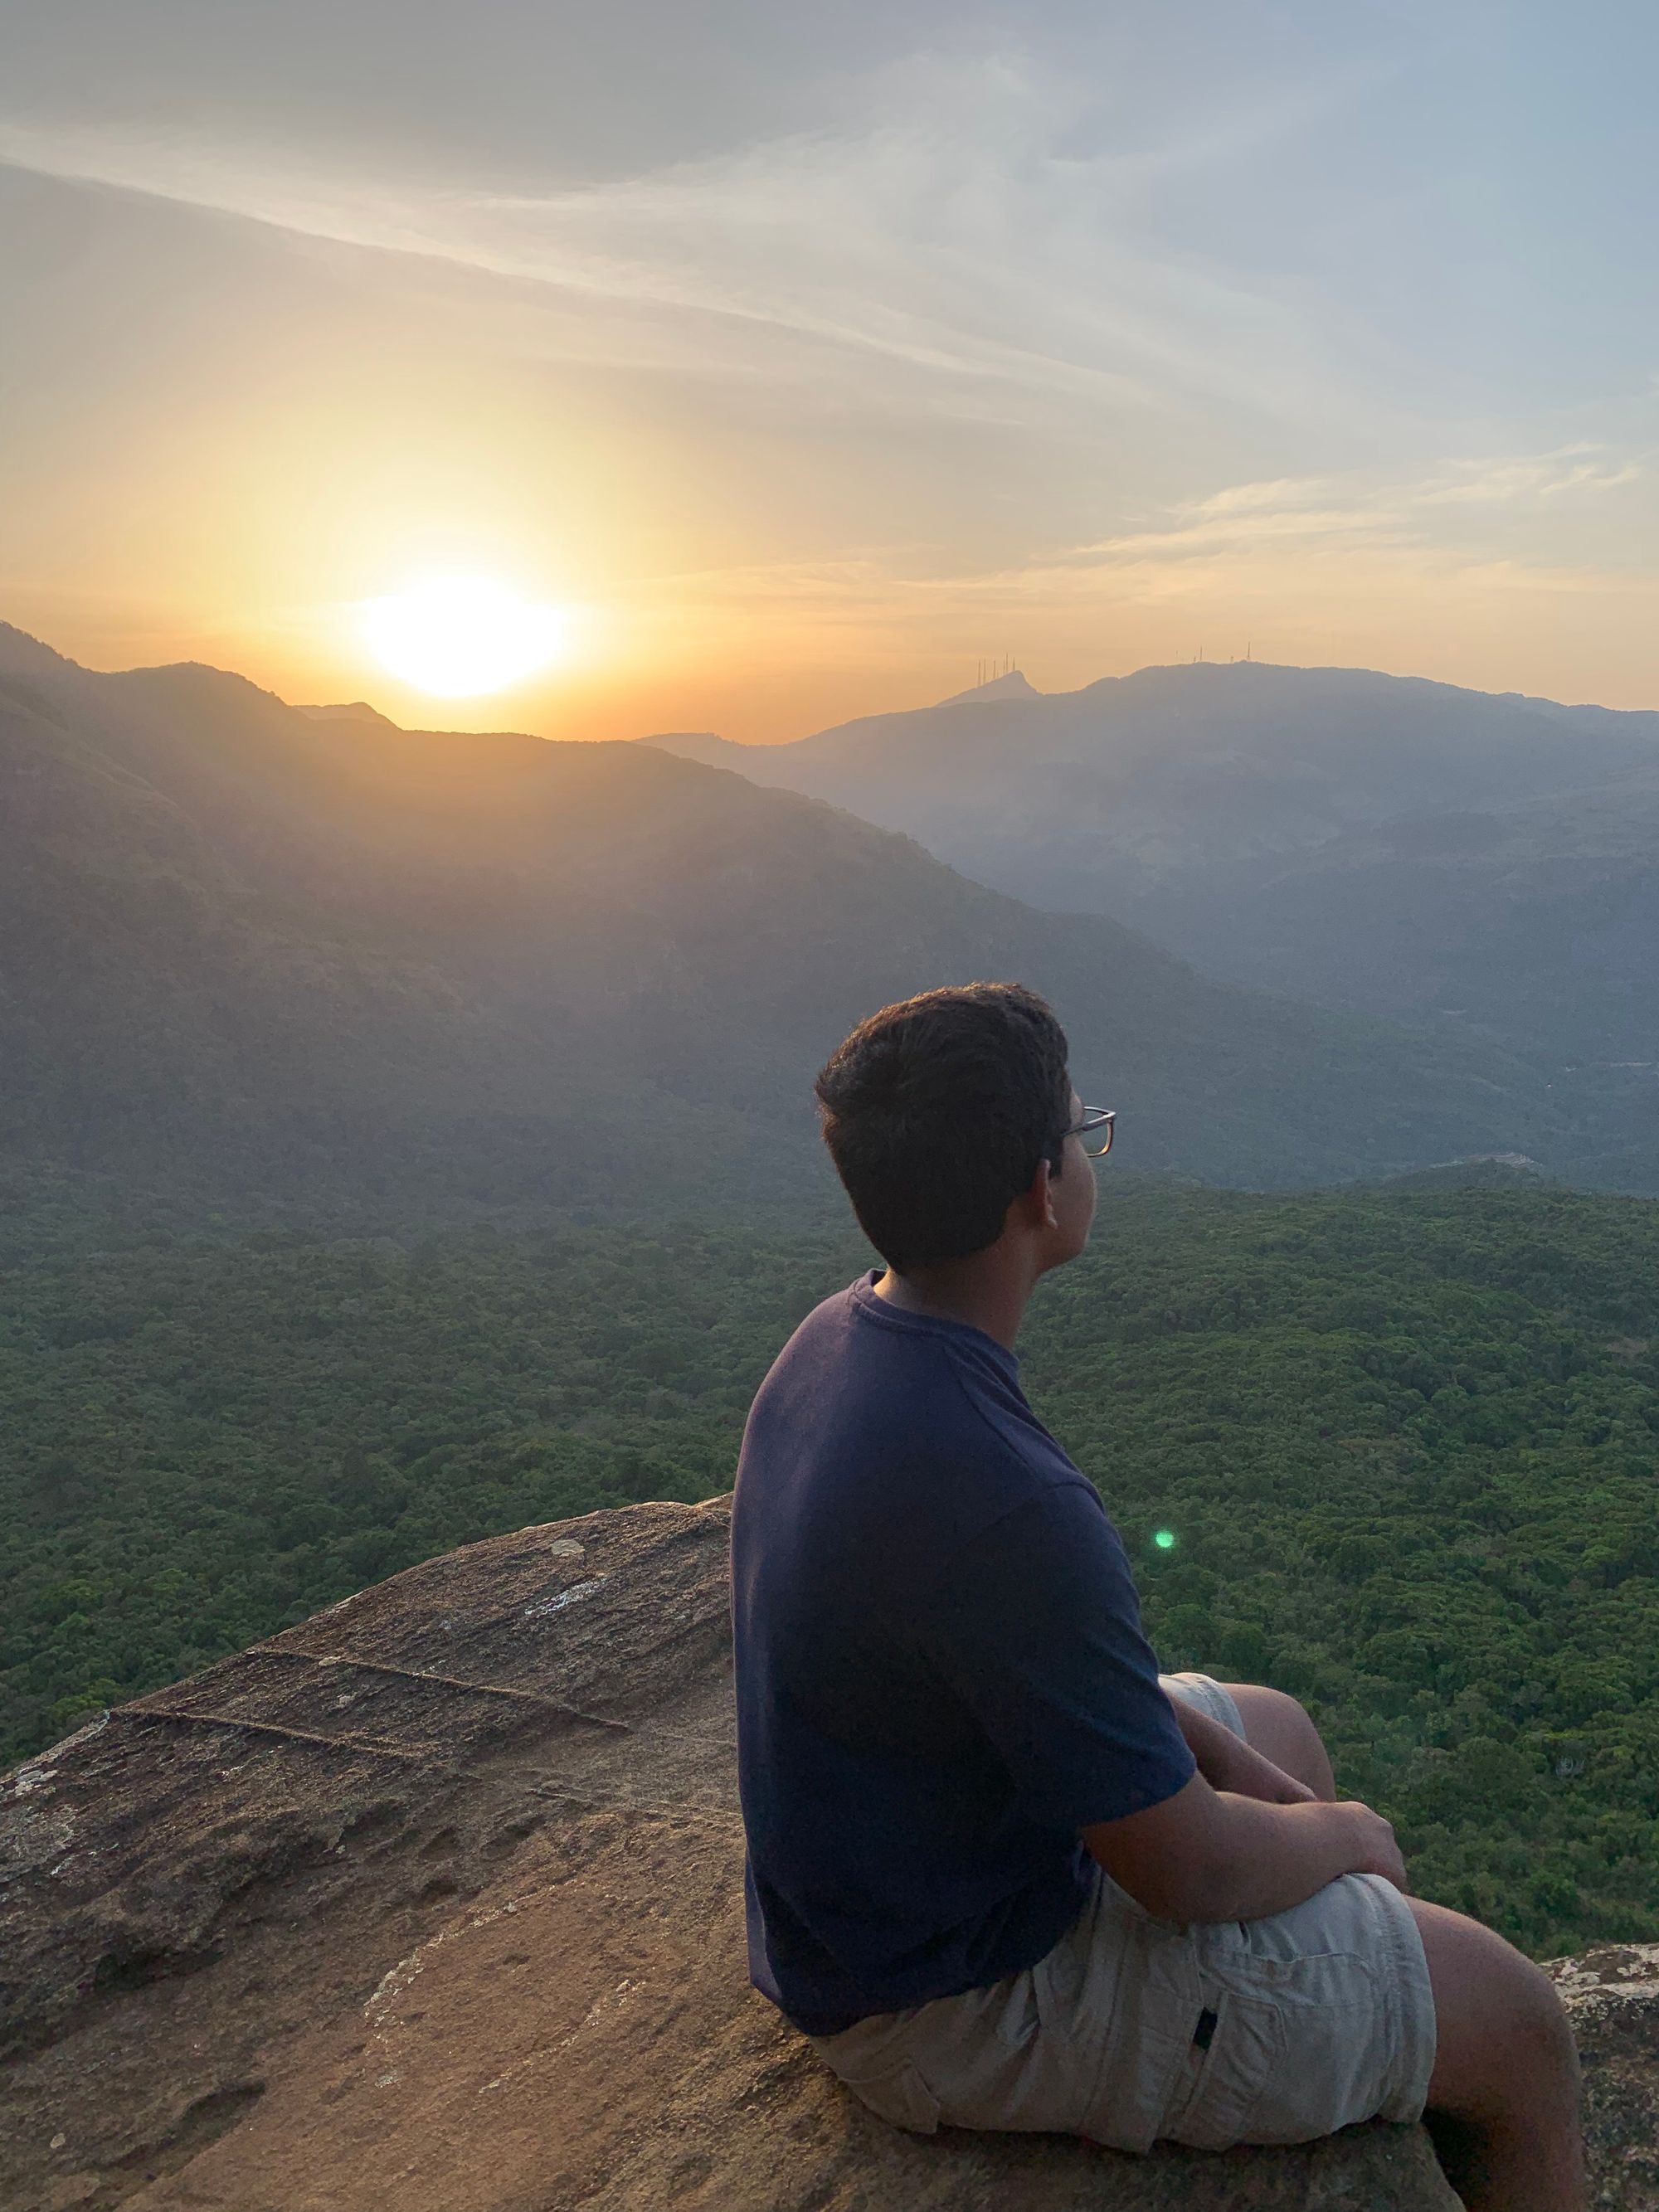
1227, 1762
1375, 1848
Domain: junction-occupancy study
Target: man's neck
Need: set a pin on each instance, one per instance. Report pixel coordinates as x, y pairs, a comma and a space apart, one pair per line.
992, 1298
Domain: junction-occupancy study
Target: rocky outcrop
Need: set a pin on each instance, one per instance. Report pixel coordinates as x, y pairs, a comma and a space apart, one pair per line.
1613, 1996
434, 1901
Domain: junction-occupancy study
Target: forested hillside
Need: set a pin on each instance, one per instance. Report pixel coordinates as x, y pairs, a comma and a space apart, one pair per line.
1405, 1444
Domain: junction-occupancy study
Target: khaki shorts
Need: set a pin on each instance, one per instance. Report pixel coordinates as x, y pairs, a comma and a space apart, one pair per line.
1134, 2031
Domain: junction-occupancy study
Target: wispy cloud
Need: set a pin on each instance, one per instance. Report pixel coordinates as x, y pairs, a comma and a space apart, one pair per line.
951, 230
1581, 468
1280, 528
1356, 511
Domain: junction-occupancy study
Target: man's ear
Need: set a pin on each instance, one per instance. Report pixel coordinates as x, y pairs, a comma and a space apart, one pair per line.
1034, 1208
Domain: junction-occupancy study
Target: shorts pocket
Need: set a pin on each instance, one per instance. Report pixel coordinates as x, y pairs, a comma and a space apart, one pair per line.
1218, 2089
897, 2093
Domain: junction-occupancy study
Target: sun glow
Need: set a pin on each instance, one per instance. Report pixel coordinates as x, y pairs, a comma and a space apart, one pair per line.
460, 635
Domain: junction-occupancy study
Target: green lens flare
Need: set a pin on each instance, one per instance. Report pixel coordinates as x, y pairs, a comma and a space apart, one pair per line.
1164, 1538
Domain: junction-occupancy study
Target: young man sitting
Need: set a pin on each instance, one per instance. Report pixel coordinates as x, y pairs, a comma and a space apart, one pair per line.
1000, 1871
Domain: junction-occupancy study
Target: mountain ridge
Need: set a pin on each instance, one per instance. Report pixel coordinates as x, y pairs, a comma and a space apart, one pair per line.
1384, 845
1057, 727
334, 957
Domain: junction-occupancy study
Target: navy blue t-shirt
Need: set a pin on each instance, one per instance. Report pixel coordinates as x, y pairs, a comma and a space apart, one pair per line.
941, 1675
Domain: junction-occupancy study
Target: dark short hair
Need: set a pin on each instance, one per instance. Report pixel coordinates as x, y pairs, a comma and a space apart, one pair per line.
937, 1111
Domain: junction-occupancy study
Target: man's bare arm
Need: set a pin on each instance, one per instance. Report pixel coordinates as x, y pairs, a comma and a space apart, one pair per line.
1227, 1762
1205, 1855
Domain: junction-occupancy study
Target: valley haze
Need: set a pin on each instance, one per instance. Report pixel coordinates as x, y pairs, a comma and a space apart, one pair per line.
266, 950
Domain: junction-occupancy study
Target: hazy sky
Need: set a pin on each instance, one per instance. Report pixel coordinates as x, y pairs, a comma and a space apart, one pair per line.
812, 354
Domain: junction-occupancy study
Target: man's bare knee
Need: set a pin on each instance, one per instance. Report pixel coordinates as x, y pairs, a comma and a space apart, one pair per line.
1504, 2046
1281, 1729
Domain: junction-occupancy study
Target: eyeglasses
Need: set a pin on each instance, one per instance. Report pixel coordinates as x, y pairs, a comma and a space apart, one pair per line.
1095, 1130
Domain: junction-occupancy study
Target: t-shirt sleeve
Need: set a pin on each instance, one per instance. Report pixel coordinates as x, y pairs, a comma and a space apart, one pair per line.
1036, 1626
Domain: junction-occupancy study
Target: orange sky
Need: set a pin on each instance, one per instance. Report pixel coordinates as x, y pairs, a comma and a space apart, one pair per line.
807, 396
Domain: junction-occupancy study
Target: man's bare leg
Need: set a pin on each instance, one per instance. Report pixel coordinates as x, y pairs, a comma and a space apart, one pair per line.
1279, 1728
1503, 2098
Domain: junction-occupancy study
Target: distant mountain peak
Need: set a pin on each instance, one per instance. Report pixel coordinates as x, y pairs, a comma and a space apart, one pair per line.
1014, 685
357, 710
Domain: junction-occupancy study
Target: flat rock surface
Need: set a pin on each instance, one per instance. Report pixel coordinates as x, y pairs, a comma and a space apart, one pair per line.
435, 1901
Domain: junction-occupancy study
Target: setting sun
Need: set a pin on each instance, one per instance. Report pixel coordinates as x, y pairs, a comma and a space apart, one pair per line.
458, 635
